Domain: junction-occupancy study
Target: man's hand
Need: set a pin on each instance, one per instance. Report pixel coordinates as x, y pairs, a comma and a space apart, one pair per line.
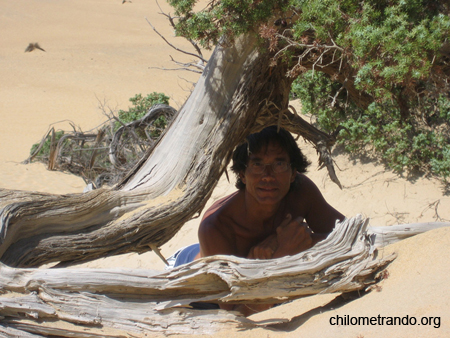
293, 236
265, 249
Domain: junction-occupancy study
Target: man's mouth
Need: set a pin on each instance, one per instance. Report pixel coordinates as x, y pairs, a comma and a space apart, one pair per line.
267, 189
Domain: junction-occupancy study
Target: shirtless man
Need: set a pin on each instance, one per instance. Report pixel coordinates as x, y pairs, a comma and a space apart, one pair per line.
277, 210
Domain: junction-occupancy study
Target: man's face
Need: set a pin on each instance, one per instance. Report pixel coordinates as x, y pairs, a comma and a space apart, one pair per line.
268, 187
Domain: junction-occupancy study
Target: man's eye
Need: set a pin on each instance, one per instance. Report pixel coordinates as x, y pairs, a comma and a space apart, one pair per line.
280, 164
257, 164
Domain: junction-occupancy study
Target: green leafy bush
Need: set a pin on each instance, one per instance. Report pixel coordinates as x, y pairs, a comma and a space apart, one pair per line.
141, 105
45, 150
420, 141
394, 50
225, 18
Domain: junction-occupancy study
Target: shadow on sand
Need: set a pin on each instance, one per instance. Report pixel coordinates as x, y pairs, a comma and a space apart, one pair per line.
299, 320
366, 156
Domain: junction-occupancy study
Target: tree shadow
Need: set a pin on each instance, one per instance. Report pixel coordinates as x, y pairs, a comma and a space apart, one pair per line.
446, 187
336, 303
365, 156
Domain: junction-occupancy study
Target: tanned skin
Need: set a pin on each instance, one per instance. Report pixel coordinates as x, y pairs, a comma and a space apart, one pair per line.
267, 219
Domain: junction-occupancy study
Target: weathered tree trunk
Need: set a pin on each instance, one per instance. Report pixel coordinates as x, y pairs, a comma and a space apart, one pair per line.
118, 302
238, 93
160, 195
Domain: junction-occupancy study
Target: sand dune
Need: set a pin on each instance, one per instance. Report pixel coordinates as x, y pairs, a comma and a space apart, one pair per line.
100, 52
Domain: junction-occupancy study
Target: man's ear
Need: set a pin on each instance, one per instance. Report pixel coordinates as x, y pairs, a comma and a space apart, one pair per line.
294, 174
242, 177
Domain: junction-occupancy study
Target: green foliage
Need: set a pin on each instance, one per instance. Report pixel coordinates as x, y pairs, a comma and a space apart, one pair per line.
45, 150
314, 89
404, 144
159, 125
228, 18
141, 105
391, 44
391, 47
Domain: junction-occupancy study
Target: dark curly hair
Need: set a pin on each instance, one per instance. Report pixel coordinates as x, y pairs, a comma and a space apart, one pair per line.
256, 142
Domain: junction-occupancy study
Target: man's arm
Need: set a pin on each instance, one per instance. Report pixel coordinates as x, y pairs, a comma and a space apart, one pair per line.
319, 215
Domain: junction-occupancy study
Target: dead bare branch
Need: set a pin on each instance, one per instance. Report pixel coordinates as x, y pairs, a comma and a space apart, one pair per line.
176, 48
172, 24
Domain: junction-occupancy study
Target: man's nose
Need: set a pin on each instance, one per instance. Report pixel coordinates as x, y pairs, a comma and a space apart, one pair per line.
268, 171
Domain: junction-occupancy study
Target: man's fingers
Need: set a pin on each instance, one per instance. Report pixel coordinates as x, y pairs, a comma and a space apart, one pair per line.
299, 220
288, 221
261, 252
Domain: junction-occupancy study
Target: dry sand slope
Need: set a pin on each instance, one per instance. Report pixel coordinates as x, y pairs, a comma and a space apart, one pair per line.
100, 51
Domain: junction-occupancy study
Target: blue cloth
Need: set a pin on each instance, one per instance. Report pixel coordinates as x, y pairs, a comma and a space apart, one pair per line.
183, 256
187, 255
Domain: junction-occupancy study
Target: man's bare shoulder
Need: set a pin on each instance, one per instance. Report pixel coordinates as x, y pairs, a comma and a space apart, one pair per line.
304, 197
310, 203
221, 213
304, 186
221, 206
215, 231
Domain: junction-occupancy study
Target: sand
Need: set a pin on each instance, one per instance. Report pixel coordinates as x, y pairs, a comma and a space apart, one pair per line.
99, 53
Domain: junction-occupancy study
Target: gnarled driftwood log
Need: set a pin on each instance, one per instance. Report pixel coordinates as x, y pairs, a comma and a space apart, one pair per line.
119, 302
